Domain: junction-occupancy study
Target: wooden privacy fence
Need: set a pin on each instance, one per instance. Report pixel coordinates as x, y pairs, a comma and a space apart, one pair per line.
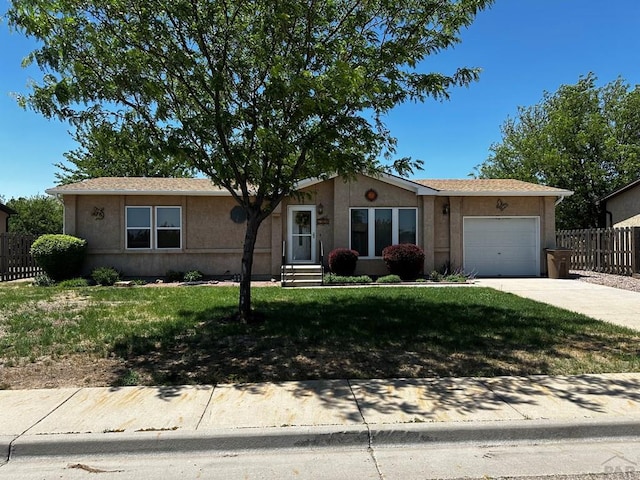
15, 260
607, 250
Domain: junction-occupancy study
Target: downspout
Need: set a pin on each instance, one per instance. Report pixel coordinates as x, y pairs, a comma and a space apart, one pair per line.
559, 201
610, 215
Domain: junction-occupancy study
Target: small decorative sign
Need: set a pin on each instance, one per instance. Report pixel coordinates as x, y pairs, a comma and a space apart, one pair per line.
502, 206
98, 213
323, 221
371, 195
238, 215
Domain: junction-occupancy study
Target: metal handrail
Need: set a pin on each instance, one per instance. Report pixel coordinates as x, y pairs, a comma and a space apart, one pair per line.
322, 261
284, 261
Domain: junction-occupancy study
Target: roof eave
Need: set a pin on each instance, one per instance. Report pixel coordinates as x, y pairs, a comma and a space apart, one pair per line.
405, 184
621, 190
191, 193
7, 210
504, 193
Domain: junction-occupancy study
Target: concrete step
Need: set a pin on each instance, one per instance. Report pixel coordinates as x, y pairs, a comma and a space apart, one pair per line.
301, 275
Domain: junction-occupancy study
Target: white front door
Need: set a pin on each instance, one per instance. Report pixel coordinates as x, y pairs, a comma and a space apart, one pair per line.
301, 238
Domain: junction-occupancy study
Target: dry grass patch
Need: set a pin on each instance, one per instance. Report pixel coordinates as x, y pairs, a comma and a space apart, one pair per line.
183, 336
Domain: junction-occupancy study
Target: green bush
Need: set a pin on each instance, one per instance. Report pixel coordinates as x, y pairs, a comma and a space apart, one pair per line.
342, 261
458, 276
74, 283
105, 276
60, 256
43, 280
436, 276
332, 278
405, 260
389, 279
193, 276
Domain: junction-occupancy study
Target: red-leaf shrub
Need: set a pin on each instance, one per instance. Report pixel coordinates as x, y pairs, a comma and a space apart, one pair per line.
342, 261
405, 260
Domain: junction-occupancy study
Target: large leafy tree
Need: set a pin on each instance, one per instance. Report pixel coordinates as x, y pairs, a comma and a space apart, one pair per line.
108, 150
255, 94
37, 215
584, 137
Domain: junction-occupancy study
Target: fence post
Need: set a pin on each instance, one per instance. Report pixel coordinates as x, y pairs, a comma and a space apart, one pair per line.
3, 255
635, 250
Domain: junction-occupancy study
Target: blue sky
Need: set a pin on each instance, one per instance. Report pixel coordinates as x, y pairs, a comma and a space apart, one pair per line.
525, 47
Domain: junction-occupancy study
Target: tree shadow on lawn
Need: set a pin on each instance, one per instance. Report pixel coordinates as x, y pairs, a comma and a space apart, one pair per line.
367, 335
403, 338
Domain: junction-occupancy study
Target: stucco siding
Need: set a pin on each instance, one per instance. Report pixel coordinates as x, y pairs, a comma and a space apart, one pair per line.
209, 225
352, 194
541, 207
212, 242
150, 264
99, 220
625, 208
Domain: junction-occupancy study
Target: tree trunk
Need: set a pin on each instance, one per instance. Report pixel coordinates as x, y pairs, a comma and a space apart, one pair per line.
250, 236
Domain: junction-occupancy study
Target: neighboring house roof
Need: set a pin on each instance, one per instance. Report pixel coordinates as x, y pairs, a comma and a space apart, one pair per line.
7, 210
203, 186
621, 190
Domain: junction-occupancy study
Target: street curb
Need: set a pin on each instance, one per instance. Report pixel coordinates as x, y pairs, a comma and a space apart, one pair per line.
223, 440
498, 432
338, 436
5, 447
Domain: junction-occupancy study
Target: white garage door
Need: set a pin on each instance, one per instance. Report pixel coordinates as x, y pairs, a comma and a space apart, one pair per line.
502, 246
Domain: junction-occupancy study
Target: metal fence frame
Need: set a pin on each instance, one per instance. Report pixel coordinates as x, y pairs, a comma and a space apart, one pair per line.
16, 261
606, 250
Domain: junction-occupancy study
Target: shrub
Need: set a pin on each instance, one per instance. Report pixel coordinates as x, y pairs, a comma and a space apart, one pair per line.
342, 261
332, 278
436, 276
193, 276
405, 260
43, 280
105, 276
174, 276
60, 256
389, 279
74, 283
456, 278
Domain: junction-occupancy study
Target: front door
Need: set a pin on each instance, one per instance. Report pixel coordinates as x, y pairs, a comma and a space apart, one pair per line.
301, 238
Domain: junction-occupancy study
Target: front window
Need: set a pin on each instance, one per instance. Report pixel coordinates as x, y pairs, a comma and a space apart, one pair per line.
138, 227
167, 227
373, 229
360, 231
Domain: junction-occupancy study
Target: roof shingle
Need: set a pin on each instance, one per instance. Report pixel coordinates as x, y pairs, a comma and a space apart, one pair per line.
203, 186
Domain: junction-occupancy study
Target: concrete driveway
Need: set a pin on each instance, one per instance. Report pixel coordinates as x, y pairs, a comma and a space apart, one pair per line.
613, 305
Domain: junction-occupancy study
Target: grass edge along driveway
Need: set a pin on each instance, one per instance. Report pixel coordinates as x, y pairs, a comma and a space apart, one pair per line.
182, 335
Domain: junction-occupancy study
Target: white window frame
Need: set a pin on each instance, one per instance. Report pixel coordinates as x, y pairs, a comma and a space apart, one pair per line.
127, 227
159, 228
153, 228
371, 232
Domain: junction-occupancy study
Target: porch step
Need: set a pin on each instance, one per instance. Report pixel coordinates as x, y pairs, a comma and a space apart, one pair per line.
301, 275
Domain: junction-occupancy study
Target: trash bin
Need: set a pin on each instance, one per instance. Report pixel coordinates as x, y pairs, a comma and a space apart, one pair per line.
558, 262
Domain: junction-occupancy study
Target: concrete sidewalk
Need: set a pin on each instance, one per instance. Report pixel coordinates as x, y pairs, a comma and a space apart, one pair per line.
336, 413
620, 307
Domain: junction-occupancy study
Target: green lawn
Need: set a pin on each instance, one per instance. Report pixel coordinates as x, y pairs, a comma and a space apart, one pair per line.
182, 335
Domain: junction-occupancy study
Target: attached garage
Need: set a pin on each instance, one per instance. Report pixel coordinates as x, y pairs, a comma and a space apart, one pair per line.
501, 246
